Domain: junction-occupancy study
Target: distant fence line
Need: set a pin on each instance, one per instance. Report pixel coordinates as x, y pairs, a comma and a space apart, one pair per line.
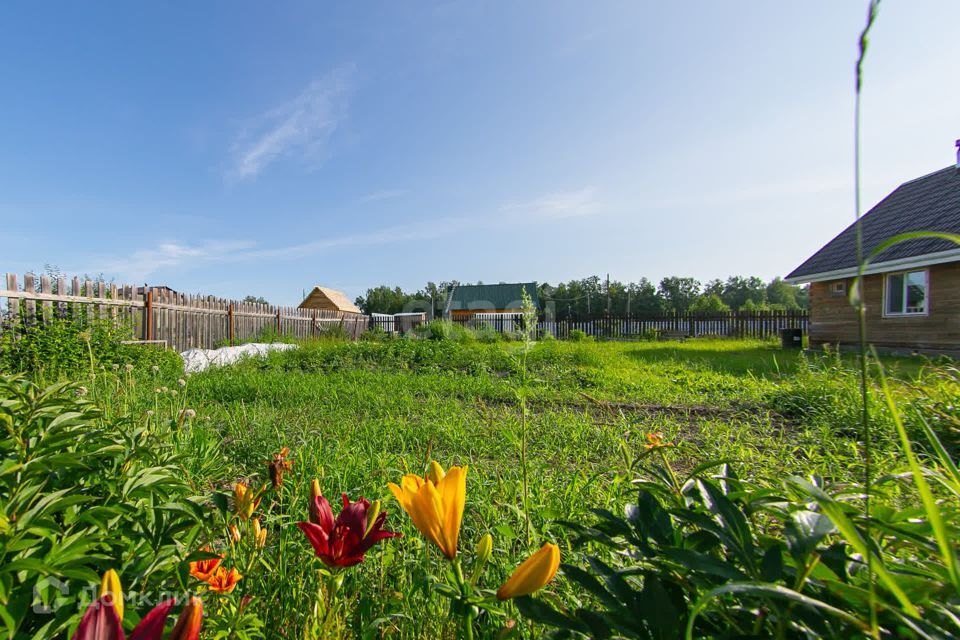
744, 324
157, 314
182, 321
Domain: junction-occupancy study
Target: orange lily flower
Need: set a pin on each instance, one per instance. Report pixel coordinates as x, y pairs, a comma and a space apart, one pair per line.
203, 569
223, 581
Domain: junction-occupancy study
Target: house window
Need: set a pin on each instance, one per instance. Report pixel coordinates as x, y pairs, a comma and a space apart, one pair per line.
838, 289
906, 293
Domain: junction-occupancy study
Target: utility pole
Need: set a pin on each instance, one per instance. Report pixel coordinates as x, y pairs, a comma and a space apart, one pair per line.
608, 294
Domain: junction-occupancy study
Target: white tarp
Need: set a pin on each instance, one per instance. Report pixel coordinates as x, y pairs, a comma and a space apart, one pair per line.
199, 359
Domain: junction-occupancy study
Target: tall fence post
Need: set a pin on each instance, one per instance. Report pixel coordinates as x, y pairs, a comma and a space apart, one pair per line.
148, 314
230, 324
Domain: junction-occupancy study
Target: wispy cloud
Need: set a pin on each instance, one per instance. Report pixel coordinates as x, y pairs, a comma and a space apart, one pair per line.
300, 127
141, 264
762, 192
558, 205
383, 194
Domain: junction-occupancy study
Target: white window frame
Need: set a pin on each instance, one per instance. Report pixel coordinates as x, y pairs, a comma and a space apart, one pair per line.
926, 290
838, 289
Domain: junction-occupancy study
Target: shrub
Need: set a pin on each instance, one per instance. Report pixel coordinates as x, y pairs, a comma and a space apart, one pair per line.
443, 330
81, 493
65, 347
578, 335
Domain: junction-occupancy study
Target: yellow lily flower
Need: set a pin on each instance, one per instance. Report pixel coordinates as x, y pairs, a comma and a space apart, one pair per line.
436, 508
110, 584
533, 574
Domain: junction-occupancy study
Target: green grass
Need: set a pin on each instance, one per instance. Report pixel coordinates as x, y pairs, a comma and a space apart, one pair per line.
360, 415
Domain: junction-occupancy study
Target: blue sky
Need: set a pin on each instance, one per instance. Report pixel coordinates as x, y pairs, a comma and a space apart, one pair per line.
239, 148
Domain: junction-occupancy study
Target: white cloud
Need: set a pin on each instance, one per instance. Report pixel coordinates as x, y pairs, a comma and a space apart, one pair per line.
558, 205
383, 194
300, 127
143, 263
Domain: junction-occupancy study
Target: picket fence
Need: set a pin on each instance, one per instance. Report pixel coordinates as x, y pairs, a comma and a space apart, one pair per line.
161, 316
744, 324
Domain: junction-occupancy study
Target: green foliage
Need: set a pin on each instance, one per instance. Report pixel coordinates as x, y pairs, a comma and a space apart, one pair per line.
710, 303
444, 330
701, 554
679, 294
81, 493
578, 335
71, 347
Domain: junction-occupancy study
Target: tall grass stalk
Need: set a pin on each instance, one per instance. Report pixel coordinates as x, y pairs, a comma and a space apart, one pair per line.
858, 300
529, 321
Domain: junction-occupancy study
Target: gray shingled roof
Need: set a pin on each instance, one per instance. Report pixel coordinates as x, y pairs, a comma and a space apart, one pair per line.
930, 203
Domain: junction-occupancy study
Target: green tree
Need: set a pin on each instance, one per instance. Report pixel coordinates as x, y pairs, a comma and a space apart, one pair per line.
780, 292
383, 299
709, 303
679, 293
737, 290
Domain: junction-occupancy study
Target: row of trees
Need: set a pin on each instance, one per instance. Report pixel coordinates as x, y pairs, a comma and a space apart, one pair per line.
595, 295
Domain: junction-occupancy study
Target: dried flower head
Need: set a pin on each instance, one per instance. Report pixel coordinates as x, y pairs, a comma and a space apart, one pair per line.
279, 466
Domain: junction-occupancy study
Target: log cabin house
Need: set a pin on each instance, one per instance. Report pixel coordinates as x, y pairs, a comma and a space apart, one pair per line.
911, 289
467, 300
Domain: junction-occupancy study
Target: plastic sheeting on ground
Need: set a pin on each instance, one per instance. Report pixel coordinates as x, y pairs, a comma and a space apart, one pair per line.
199, 359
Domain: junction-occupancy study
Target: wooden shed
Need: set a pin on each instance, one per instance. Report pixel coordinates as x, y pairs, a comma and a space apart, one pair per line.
324, 299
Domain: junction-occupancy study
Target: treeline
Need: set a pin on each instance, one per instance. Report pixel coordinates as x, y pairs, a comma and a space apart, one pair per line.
596, 295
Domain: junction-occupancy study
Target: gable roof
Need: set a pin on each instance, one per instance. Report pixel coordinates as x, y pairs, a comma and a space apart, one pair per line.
491, 296
930, 203
328, 300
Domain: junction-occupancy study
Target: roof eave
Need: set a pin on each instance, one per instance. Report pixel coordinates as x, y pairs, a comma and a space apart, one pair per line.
925, 260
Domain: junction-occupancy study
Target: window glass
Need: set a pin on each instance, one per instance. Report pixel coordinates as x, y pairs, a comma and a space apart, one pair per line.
916, 292
895, 293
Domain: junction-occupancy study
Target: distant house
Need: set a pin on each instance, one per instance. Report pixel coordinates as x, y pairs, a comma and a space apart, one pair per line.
912, 290
331, 300
156, 287
467, 300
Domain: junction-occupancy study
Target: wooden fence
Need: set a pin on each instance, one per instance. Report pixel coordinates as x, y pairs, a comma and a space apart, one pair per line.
158, 315
747, 324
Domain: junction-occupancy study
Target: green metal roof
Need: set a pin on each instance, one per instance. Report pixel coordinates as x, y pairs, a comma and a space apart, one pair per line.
491, 296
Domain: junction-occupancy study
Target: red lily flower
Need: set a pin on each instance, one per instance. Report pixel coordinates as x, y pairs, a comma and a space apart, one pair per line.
100, 622
344, 541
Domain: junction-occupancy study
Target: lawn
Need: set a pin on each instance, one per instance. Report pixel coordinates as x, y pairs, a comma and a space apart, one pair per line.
357, 416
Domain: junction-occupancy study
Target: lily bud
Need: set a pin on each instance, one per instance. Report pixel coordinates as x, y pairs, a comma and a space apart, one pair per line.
435, 472
372, 512
533, 574
245, 501
188, 624
110, 586
259, 534
313, 507
234, 533
484, 550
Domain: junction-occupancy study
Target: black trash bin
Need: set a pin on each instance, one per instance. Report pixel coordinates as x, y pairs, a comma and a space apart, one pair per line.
791, 338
